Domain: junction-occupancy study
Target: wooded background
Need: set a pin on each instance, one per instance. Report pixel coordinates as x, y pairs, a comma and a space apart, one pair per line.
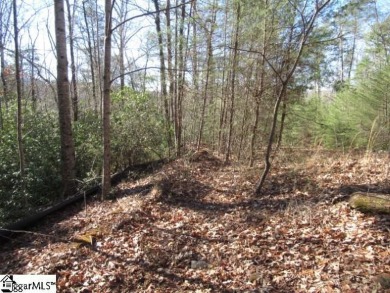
140, 80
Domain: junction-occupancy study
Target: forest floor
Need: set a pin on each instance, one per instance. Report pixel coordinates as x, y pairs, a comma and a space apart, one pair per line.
195, 226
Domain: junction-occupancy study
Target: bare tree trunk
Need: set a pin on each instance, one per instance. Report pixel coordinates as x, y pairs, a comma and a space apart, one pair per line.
163, 78
19, 93
32, 74
267, 156
233, 83
74, 93
243, 132
223, 111
195, 64
180, 83
169, 59
254, 132
351, 62
121, 59
64, 108
122, 11
106, 180
260, 91
98, 61
32, 81
206, 86
209, 70
290, 67
90, 55
282, 119
341, 48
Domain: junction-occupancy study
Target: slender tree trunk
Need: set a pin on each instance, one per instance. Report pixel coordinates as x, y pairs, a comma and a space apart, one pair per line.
64, 107
2, 64
98, 62
341, 48
175, 99
206, 86
121, 59
180, 83
106, 180
291, 64
243, 132
75, 102
222, 120
122, 12
195, 74
91, 62
233, 84
163, 79
351, 62
18, 93
282, 120
254, 132
169, 59
260, 90
267, 156
32, 74
32, 82
223, 111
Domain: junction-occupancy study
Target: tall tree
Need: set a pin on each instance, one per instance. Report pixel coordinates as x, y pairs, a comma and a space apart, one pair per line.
18, 92
233, 83
209, 28
74, 96
163, 79
68, 160
297, 38
106, 180
171, 76
90, 57
180, 66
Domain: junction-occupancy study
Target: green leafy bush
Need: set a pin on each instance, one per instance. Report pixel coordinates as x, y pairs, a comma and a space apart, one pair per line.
137, 135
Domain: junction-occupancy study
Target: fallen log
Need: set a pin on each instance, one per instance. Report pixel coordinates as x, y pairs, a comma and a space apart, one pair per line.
366, 202
29, 221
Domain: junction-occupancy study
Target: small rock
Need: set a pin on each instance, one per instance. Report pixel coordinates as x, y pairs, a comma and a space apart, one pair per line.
199, 264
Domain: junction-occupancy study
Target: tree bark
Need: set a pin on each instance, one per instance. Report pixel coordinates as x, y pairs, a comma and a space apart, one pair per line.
206, 86
180, 81
233, 84
91, 62
171, 79
106, 182
75, 99
282, 119
254, 132
224, 86
68, 159
18, 93
32, 75
163, 79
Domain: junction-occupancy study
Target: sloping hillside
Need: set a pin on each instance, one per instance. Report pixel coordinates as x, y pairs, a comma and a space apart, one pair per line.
194, 226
